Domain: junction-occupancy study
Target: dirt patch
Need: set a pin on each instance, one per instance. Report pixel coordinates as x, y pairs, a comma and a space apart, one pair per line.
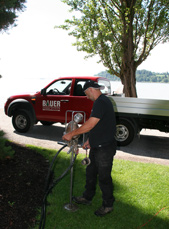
22, 181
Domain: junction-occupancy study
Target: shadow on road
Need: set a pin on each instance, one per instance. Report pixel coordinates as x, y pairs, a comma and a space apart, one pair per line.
146, 145
51, 133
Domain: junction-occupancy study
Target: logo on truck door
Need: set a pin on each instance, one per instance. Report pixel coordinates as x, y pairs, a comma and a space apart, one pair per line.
50, 105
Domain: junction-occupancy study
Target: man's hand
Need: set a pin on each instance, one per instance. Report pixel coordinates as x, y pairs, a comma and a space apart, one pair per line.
67, 137
86, 145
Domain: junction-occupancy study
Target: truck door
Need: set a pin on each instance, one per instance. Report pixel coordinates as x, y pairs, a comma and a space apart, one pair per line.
79, 99
52, 105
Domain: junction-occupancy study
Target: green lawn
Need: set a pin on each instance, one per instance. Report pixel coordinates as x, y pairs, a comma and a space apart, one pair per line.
141, 191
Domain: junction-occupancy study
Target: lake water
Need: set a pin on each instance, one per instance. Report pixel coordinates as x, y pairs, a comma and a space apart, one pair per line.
10, 87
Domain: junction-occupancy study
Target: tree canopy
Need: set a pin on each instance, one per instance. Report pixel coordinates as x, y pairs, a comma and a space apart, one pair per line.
121, 32
8, 12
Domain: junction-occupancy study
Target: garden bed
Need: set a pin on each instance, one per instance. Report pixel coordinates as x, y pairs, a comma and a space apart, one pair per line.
22, 180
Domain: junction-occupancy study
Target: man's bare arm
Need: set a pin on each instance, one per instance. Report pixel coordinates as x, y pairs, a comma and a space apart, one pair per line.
86, 127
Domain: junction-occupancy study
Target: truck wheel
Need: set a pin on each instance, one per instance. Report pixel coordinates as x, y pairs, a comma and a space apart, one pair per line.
45, 123
124, 132
22, 121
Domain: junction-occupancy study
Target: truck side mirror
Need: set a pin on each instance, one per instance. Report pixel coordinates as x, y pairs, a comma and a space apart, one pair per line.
43, 91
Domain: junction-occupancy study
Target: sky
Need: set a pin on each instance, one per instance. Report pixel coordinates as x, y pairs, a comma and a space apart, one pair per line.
35, 49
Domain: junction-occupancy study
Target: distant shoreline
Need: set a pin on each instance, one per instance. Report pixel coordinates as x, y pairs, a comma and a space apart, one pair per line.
141, 76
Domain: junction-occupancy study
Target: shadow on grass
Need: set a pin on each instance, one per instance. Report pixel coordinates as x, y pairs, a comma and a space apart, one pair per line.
125, 215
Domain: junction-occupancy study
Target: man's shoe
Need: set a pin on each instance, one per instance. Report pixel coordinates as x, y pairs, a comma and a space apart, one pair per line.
81, 200
103, 211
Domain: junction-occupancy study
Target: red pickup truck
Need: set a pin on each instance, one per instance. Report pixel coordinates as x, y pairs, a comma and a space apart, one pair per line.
51, 103
57, 101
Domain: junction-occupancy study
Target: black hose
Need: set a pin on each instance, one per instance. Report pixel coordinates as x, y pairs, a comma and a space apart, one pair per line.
48, 187
50, 167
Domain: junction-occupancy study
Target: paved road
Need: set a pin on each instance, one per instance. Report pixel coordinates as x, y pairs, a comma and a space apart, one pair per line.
151, 147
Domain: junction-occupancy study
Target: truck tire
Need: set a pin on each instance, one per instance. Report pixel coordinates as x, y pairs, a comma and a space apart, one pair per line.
22, 121
125, 132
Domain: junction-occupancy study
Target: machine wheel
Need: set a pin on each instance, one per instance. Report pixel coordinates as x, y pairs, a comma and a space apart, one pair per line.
124, 132
45, 123
22, 121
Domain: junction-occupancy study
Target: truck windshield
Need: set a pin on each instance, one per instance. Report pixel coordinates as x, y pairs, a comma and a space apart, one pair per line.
59, 87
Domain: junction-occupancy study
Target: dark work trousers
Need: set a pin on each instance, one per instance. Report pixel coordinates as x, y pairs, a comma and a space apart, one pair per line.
100, 166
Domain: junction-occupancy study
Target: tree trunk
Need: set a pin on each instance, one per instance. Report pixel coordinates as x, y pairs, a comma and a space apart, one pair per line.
129, 81
128, 68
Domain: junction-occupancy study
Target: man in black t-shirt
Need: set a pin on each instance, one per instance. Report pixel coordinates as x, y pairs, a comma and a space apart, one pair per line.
102, 144
103, 133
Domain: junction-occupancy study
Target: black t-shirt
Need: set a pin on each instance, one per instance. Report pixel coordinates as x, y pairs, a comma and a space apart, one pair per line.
104, 131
